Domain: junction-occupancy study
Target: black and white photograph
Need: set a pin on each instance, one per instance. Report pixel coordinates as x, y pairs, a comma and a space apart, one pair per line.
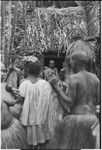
50, 60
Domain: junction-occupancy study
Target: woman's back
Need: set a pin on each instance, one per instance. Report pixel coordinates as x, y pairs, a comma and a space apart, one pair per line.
37, 97
87, 87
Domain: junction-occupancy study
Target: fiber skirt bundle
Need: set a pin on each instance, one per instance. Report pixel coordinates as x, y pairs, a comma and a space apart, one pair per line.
74, 132
55, 112
14, 137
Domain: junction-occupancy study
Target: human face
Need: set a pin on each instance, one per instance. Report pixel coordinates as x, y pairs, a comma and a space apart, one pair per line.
51, 64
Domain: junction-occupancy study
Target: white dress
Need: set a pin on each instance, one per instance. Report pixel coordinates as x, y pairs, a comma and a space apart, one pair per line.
35, 110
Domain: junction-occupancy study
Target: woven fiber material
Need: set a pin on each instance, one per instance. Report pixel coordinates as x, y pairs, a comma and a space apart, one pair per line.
14, 137
74, 132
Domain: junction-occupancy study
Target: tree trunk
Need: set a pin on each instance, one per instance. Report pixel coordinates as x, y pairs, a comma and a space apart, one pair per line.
14, 25
2, 31
5, 14
24, 12
10, 31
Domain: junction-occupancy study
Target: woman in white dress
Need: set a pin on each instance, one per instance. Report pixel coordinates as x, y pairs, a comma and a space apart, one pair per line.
35, 110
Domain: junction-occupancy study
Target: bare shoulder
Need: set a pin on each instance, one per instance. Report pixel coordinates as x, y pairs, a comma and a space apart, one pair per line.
75, 79
94, 77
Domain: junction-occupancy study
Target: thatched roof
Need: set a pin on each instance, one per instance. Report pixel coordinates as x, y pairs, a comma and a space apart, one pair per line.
52, 28
58, 4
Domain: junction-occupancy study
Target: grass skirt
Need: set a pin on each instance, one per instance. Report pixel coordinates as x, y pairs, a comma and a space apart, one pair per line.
14, 137
74, 132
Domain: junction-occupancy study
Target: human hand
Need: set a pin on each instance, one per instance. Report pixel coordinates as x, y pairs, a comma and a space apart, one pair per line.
53, 81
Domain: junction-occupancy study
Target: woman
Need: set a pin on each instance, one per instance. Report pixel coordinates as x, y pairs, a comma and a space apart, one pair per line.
35, 110
13, 134
53, 68
58, 108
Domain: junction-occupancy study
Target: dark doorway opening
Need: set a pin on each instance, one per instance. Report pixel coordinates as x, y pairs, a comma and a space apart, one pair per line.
58, 61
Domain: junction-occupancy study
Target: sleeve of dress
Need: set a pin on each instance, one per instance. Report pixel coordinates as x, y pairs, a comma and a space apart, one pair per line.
23, 89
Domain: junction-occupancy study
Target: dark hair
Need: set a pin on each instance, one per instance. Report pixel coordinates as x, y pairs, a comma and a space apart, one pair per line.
34, 68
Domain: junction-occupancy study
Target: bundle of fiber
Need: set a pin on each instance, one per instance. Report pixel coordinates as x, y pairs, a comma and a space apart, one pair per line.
55, 112
74, 132
14, 137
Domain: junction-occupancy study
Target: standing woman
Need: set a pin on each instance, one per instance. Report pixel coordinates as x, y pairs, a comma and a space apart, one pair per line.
53, 68
37, 95
13, 134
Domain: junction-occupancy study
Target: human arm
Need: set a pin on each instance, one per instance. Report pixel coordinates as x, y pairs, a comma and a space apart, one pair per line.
19, 100
9, 103
15, 93
67, 98
7, 97
16, 110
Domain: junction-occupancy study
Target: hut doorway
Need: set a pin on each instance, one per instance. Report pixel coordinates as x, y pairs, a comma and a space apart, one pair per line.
58, 60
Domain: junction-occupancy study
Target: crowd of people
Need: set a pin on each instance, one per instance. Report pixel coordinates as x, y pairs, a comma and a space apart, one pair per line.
35, 96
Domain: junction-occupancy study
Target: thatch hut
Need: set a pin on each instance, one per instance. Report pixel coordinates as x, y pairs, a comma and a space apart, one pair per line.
49, 31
